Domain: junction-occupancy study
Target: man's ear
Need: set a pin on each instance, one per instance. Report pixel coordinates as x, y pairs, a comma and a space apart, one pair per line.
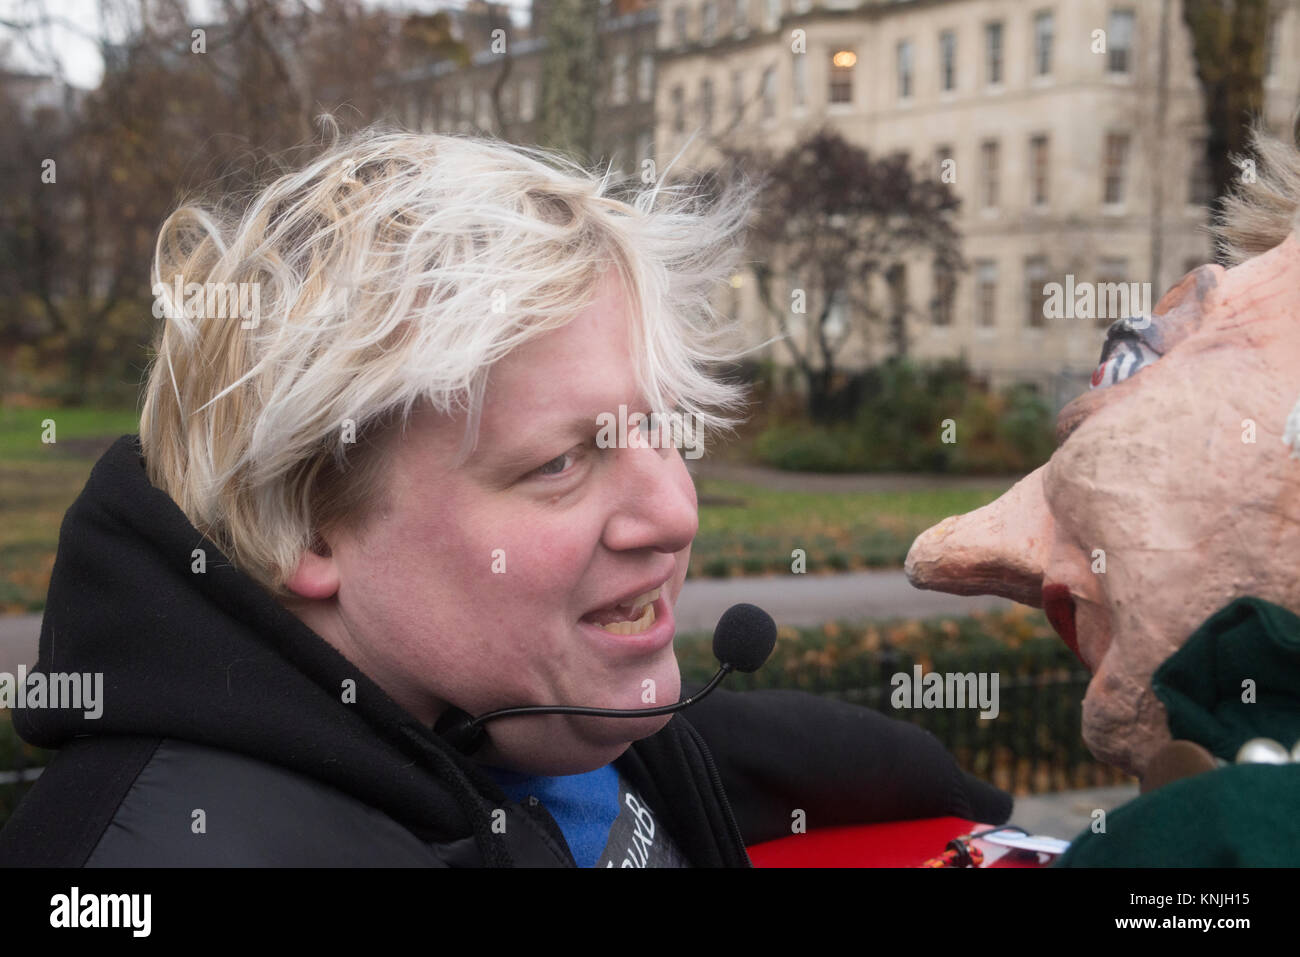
316, 576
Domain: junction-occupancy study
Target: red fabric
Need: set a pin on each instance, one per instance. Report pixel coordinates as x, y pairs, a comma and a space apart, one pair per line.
891, 844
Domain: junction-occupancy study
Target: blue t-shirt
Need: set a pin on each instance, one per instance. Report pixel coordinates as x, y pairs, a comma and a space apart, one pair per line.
604, 820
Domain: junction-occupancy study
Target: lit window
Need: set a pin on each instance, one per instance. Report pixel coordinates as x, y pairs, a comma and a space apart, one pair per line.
842, 76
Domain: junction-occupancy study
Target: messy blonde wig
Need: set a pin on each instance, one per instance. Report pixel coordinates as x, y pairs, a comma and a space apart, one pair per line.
392, 271
1263, 210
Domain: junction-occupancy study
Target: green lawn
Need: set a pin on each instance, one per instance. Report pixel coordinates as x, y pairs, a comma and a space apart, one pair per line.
38, 481
748, 530
744, 529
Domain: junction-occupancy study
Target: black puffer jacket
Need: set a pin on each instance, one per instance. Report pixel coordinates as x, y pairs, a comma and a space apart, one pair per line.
224, 739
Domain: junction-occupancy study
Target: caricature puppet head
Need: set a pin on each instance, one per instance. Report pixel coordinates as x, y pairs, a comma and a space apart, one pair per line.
1176, 473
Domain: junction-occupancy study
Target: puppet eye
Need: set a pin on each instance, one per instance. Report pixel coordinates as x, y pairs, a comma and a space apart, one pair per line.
1126, 351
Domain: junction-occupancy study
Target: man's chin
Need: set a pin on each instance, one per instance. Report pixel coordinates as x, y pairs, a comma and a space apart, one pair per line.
565, 744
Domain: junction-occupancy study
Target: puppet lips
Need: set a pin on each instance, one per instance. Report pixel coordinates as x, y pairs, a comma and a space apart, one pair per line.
1058, 605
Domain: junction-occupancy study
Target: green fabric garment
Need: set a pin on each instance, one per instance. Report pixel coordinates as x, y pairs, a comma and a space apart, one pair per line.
1240, 815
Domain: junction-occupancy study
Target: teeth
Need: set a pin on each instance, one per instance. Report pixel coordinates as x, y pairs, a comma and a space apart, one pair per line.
640, 614
633, 627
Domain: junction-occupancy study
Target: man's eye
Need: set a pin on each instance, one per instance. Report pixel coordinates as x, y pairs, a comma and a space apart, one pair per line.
555, 466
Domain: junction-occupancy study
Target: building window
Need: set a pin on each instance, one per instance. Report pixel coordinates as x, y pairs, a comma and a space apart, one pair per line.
1110, 300
842, 76
904, 69
993, 53
1200, 192
679, 26
989, 153
1119, 42
945, 293
1043, 30
738, 94
706, 103
709, 22
742, 17
769, 93
646, 77
896, 277
618, 85
948, 60
773, 14
1038, 170
679, 109
986, 293
1114, 163
799, 67
1035, 280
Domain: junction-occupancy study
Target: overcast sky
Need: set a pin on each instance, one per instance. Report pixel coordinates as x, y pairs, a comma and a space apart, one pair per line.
73, 38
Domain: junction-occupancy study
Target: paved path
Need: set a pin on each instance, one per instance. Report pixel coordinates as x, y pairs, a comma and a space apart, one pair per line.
801, 600
797, 600
1067, 813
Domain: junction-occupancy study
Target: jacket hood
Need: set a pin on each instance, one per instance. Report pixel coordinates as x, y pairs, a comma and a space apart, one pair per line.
213, 658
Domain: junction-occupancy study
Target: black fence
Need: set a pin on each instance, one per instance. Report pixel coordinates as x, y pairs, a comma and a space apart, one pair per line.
1032, 746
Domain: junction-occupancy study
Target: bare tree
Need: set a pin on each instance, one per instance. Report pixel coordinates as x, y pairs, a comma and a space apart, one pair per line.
836, 218
1230, 45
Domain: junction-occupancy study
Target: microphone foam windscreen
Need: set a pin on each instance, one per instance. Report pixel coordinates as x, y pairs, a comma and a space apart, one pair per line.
744, 638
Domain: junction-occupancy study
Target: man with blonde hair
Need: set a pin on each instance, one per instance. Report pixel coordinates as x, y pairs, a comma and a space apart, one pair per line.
375, 491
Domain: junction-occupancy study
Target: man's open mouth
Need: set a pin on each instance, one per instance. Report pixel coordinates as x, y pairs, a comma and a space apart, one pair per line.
627, 618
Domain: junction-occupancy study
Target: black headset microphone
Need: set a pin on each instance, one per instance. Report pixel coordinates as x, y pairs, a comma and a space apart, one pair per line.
742, 641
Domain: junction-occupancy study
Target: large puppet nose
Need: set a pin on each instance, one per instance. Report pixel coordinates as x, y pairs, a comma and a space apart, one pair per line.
1000, 549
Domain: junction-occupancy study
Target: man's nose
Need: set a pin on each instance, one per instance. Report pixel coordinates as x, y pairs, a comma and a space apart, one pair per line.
1000, 549
657, 504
